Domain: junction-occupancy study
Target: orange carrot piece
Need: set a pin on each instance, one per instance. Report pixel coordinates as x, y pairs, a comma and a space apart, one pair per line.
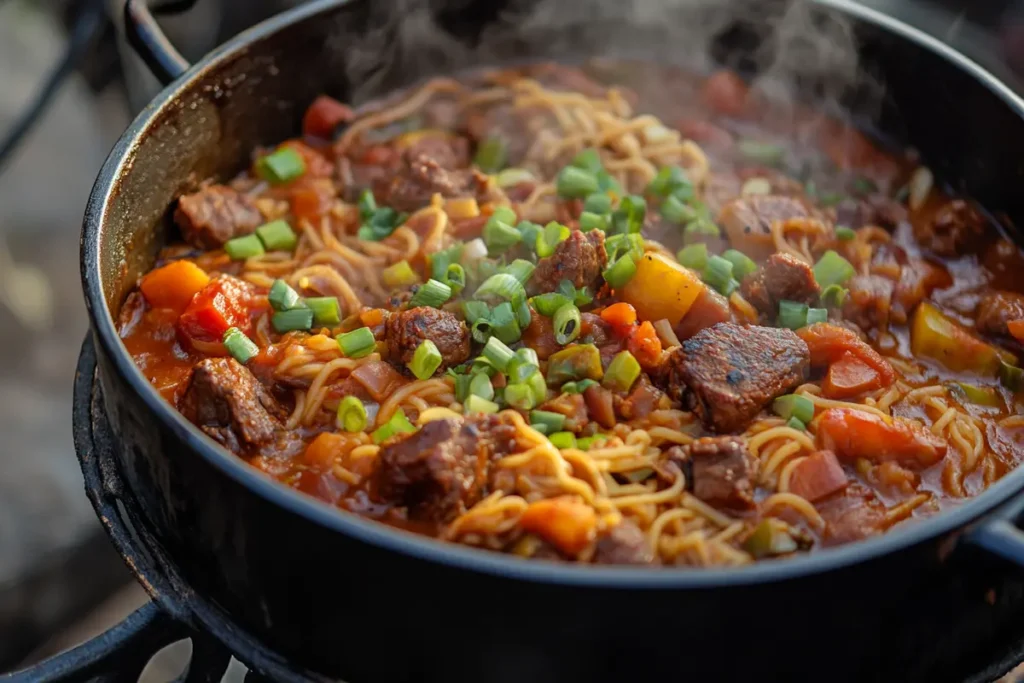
1016, 328
853, 434
327, 446
173, 286
564, 522
645, 345
828, 343
817, 476
848, 377
620, 316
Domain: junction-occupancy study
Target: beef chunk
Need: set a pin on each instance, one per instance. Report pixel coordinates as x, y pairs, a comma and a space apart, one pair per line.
642, 400
624, 543
851, 515
868, 301
212, 216
723, 471
226, 401
874, 210
579, 259
709, 308
780, 277
405, 330
747, 221
729, 372
996, 309
955, 229
427, 168
441, 470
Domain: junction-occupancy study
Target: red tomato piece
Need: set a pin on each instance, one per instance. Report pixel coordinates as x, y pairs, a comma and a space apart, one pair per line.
323, 116
224, 303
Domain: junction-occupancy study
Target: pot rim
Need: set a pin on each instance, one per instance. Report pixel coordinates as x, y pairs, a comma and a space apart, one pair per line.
428, 549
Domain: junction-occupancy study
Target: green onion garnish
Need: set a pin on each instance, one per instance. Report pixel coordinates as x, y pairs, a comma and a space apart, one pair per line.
765, 153
239, 346
462, 383
357, 343
675, 211
816, 315
281, 166
550, 237
498, 353
351, 414
519, 396
575, 182
367, 204
547, 304
380, 224
588, 160
529, 231
432, 293
480, 385
527, 355
481, 330
538, 386
718, 274
552, 421
580, 297
542, 428
862, 185
796, 423
475, 310
694, 256
599, 203
701, 226
845, 234
295, 319
425, 360
1010, 376
669, 181
742, 265
520, 269
567, 324
475, 404
501, 286
621, 372
629, 216
562, 440
282, 297
574, 363
510, 177
833, 296
491, 155
606, 183
398, 275
277, 236
326, 311
794, 405
620, 272
832, 269
398, 424
586, 443
241, 248
792, 314
503, 323
455, 277
499, 236
592, 221
523, 313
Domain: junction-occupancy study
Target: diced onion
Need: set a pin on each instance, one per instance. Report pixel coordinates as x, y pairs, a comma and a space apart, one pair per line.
920, 186
475, 250
666, 334
756, 186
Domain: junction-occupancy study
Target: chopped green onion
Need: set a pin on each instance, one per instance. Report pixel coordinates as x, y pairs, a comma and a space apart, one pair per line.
547, 304
620, 272
480, 364
567, 324
862, 185
351, 414
669, 181
241, 248
367, 204
491, 155
239, 346
694, 256
519, 396
621, 372
529, 231
503, 323
765, 153
498, 353
357, 343
475, 310
425, 360
796, 423
699, 227
718, 273
553, 421
455, 277
833, 296
817, 315
970, 393
476, 404
538, 386
618, 245
542, 428
501, 286
588, 160
1010, 376
523, 314
520, 370
520, 269
277, 236
578, 387
629, 216
828, 199
582, 361
432, 293
550, 237
282, 297
599, 203
675, 211
505, 214
561, 440
607, 183
481, 330
462, 384
792, 314
326, 311
586, 443
510, 177
527, 355
845, 234
832, 269
499, 236
398, 275
295, 319
573, 182
592, 221
398, 424
380, 224
441, 260
281, 166
742, 265
794, 405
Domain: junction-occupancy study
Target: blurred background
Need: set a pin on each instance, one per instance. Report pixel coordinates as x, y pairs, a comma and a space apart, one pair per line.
68, 88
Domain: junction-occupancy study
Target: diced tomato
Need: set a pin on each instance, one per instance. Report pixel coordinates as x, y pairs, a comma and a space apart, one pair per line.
853, 434
566, 523
310, 201
377, 155
828, 343
323, 116
224, 303
1016, 328
645, 345
848, 377
725, 92
621, 317
817, 476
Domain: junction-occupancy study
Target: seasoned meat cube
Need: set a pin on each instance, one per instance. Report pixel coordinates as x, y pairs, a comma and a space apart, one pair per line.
405, 330
780, 277
624, 543
954, 230
425, 173
874, 210
641, 401
747, 221
868, 301
996, 309
579, 259
448, 151
212, 216
441, 470
226, 401
723, 471
709, 308
728, 373
851, 515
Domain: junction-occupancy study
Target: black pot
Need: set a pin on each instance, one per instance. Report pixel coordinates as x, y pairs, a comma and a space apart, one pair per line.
348, 597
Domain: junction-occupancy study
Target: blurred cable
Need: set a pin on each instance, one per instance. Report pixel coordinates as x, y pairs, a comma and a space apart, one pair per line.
87, 26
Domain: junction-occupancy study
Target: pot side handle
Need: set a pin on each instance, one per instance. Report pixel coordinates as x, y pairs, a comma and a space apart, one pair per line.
1000, 534
150, 43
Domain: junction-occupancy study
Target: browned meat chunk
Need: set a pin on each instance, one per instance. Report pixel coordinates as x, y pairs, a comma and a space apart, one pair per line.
955, 229
579, 259
429, 167
624, 543
723, 471
448, 151
747, 221
644, 399
441, 470
996, 309
780, 277
868, 301
729, 372
851, 515
874, 210
212, 216
226, 401
405, 330
709, 308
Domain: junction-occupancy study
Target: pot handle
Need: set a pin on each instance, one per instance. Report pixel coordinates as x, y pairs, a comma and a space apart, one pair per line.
1000, 535
150, 43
